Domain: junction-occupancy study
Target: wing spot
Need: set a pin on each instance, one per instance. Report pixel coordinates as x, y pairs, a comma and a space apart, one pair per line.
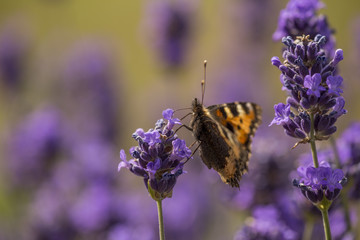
230, 127
223, 112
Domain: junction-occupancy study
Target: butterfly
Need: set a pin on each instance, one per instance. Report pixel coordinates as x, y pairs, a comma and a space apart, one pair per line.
224, 133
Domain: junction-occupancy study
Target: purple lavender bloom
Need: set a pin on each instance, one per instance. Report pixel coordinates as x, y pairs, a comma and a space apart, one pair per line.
266, 224
300, 18
335, 83
339, 230
282, 114
349, 153
349, 145
169, 26
168, 114
158, 157
87, 81
313, 85
92, 208
315, 183
308, 77
12, 55
187, 212
294, 127
34, 145
80, 197
306, 161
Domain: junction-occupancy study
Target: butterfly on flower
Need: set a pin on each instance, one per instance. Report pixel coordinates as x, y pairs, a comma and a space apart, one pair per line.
224, 133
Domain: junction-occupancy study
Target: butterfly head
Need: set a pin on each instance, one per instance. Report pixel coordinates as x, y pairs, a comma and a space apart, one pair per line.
196, 105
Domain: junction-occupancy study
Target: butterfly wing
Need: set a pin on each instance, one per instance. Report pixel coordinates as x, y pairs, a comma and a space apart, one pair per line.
240, 118
224, 133
238, 122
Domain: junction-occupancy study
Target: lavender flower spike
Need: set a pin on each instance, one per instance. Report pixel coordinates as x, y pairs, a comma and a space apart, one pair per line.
314, 89
158, 158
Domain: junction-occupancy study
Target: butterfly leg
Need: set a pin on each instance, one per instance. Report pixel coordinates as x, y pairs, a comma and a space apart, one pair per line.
185, 126
195, 150
186, 116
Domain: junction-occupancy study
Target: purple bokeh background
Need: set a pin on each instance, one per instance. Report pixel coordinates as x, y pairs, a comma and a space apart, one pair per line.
75, 84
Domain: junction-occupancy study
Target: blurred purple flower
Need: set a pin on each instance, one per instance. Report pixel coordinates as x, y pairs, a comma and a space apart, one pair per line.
169, 26
187, 213
92, 208
266, 223
33, 146
125, 232
267, 181
338, 224
13, 47
158, 157
300, 18
79, 198
88, 81
348, 146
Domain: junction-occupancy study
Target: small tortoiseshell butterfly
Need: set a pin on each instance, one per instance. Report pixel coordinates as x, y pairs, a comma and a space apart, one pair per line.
224, 133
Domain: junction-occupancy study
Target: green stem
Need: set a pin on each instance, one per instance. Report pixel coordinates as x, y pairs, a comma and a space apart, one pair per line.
161, 221
325, 217
312, 141
323, 208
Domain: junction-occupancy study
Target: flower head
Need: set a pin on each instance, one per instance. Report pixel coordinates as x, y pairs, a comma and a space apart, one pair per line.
314, 89
315, 183
158, 157
300, 18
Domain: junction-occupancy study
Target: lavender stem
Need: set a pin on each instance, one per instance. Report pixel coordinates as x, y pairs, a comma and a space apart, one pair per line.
325, 217
161, 221
312, 142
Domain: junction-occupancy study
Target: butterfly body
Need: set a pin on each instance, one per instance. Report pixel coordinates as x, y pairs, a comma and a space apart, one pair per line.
224, 133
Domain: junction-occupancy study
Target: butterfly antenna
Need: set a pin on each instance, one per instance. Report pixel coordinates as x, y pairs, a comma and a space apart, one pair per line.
181, 109
203, 83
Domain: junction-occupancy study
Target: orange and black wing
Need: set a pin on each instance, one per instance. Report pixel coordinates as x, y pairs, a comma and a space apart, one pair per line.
240, 118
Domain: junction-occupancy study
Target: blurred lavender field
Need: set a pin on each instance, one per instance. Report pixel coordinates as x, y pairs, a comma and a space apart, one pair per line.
77, 78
